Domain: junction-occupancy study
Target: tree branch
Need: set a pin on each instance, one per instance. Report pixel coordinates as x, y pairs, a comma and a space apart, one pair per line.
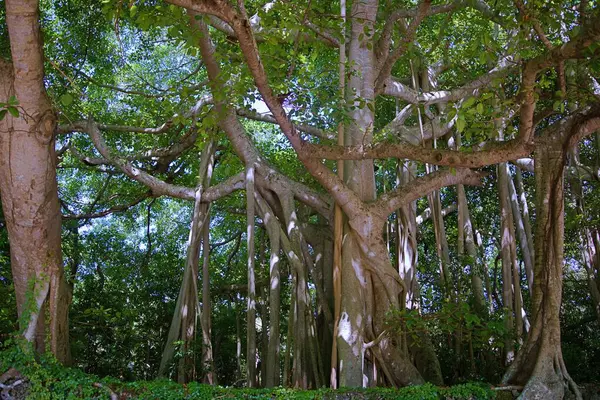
108, 211
310, 130
495, 153
157, 186
392, 87
386, 61
421, 186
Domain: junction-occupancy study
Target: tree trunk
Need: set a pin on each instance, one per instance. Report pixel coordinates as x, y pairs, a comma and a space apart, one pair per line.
525, 208
539, 365
208, 367
360, 178
29, 187
183, 324
273, 230
251, 300
468, 236
519, 222
589, 241
406, 252
474, 262
422, 350
509, 257
441, 242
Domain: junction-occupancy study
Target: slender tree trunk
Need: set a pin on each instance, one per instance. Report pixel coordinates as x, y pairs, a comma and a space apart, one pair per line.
207, 350
273, 230
238, 343
475, 263
406, 252
183, 324
589, 255
29, 188
441, 242
588, 240
422, 350
525, 208
251, 300
539, 365
509, 256
290, 340
519, 222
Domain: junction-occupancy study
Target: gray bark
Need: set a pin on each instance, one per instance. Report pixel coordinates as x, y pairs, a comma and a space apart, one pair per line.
273, 230
183, 324
519, 223
251, 299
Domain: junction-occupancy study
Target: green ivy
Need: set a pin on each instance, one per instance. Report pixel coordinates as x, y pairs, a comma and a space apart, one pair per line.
50, 380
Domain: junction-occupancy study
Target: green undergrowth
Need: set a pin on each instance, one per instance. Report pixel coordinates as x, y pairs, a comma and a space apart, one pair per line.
49, 380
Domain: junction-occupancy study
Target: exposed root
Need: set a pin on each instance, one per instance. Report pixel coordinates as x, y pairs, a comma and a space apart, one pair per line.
548, 380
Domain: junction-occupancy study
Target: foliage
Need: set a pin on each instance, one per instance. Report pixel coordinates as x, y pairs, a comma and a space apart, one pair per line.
49, 380
136, 63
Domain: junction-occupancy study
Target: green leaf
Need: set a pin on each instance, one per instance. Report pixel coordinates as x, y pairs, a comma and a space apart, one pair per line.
556, 105
66, 99
480, 108
460, 124
13, 101
469, 102
2, 114
132, 11
13, 111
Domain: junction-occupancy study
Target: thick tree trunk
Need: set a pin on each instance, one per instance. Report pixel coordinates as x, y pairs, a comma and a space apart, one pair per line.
29, 188
539, 365
360, 178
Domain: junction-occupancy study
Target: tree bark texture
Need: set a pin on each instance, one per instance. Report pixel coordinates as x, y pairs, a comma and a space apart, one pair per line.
208, 367
29, 187
251, 299
539, 366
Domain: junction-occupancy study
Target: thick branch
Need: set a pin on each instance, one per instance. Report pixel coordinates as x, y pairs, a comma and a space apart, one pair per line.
495, 153
394, 88
421, 186
157, 186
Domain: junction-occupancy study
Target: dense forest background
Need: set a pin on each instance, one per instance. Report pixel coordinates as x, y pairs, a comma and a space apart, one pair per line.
303, 194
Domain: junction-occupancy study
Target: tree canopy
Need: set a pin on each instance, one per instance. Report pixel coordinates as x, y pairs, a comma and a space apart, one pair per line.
304, 194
